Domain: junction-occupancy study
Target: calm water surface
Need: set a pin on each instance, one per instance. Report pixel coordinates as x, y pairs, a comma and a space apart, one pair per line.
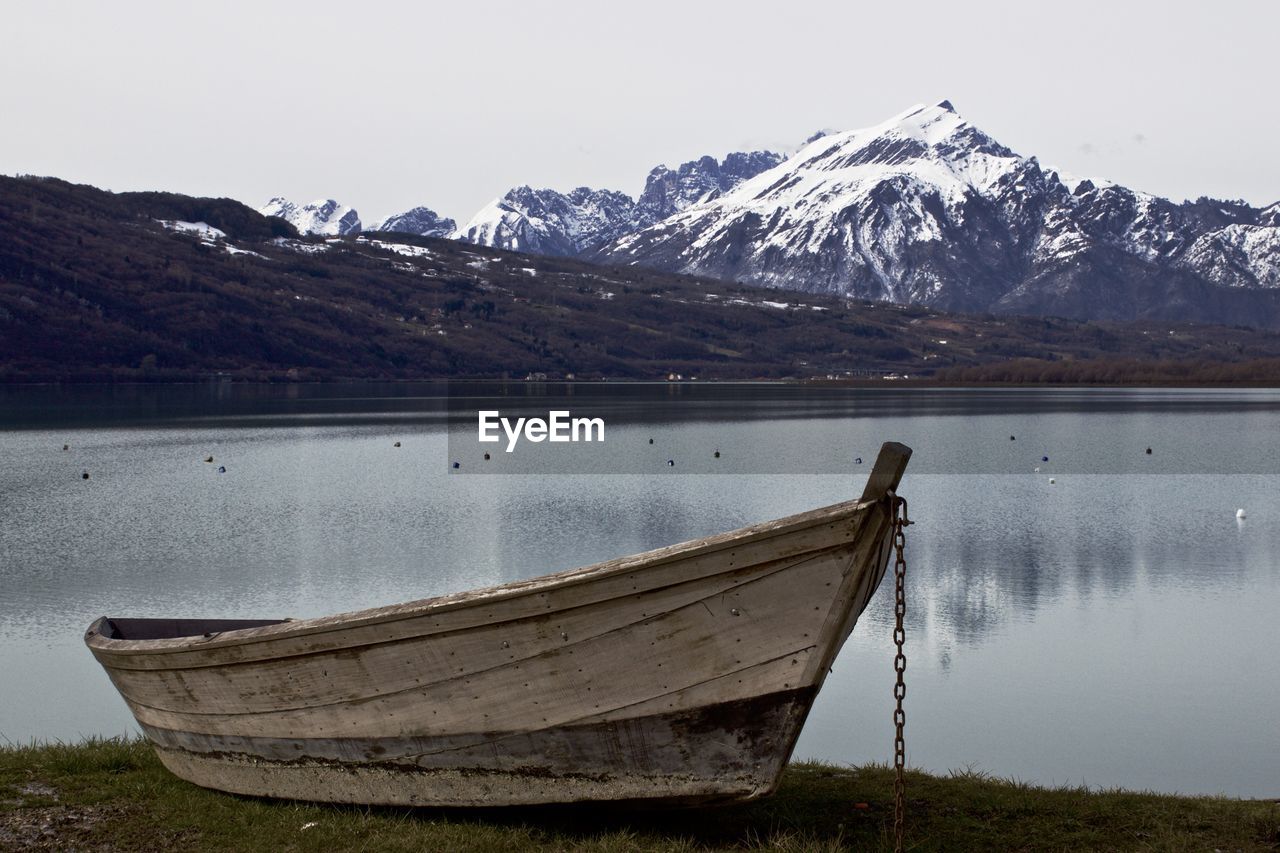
1115, 628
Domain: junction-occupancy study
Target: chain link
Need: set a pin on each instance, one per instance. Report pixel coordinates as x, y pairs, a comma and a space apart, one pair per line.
900, 522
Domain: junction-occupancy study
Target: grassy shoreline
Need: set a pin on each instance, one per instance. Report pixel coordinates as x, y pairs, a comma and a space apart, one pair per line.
109, 795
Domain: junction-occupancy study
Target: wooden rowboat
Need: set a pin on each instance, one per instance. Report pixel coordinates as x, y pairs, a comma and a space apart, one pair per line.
680, 675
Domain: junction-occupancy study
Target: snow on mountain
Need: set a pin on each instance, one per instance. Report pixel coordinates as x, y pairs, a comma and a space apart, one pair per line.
927, 208
864, 205
201, 229
1238, 256
324, 217
208, 235
1074, 182
422, 221
548, 222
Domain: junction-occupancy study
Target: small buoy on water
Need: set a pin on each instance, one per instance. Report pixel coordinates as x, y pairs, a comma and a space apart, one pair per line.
222, 469
1052, 481
1148, 451
397, 444
208, 459
457, 465
84, 475
1240, 514
486, 457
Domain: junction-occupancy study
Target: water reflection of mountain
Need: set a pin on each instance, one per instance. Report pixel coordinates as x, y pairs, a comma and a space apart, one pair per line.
985, 551
991, 550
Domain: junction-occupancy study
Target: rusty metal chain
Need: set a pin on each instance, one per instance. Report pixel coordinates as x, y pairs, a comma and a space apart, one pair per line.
900, 522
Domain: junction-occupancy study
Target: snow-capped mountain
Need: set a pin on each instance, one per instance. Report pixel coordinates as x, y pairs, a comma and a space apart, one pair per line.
422, 221
324, 217
926, 208
548, 222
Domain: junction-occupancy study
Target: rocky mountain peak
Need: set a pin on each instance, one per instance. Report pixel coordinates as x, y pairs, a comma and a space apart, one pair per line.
325, 217
669, 191
422, 221
549, 222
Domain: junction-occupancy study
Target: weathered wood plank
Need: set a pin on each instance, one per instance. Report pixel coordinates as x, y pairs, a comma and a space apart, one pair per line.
379, 669
729, 750
775, 614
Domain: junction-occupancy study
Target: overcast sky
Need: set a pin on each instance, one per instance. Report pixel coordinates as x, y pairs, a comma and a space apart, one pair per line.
390, 106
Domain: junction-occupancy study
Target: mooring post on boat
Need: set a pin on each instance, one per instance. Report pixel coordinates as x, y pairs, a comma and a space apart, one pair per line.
887, 472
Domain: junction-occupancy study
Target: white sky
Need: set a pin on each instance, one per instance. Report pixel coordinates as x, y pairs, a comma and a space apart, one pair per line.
398, 104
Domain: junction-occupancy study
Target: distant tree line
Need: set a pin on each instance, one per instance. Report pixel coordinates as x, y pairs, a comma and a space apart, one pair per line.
1124, 371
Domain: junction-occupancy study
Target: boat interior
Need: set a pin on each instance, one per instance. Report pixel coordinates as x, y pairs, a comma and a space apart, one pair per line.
165, 629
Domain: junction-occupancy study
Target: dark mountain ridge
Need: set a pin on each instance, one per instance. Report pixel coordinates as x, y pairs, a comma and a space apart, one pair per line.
157, 286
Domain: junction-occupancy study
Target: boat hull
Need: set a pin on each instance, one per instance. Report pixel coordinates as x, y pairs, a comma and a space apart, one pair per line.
725, 752
682, 675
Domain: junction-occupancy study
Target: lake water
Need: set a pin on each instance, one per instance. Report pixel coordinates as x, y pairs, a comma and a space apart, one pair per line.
1118, 627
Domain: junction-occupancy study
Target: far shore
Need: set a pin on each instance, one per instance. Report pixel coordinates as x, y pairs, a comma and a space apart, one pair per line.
1264, 379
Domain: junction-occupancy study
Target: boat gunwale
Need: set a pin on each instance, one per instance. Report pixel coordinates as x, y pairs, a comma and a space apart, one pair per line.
98, 640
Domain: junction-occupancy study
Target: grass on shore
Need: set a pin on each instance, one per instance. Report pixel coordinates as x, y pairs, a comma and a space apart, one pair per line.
114, 795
